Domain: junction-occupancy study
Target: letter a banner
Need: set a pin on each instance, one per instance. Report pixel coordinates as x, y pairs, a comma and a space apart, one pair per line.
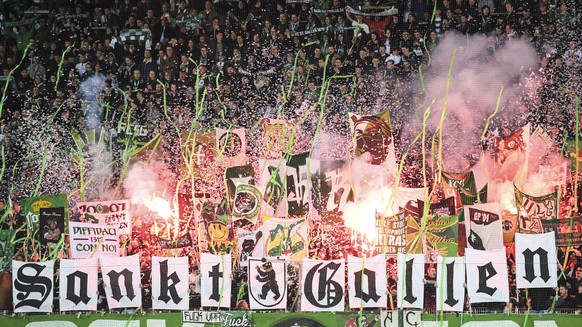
487, 276
32, 286
323, 285
450, 295
78, 285
367, 282
170, 280
267, 283
535, 260
215, 280
410, 288
121, 279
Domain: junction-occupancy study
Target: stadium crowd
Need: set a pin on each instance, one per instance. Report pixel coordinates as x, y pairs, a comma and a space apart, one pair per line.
86, 64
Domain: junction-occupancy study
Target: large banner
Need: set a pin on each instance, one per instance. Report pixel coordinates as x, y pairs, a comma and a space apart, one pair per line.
283, 237
78, 285
367, 282
568, 231
170, 280
272, 186
121, 280
298, 172
391, 233
113, 213
93, 240
483, 226
286, 319
535, 209
215, 280
31, 207
322, 285
487, 276
231, 146
511, 154
32, 286
267, 283
410, 288
450, 295
536, 260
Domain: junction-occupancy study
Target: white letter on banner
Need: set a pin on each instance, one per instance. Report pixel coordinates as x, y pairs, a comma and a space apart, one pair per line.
170, 281
33, 286
367, 282
78, 285
487, 276
536, 260
323, 285
121, 280
215, 280
410, 288
450, 295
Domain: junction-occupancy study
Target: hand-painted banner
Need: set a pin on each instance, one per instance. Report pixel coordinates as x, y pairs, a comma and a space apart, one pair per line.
298, 172
249, 244
247, 203
373, 138
215, 280
235, 176
450, 293
487, 276
78, 285
534, 209
407, 199
272, 185
277, 137
483, 225
215, 318
391, 233
322, 285
410, 288
535, 260
33, 286
31, 208
439, 237
112, 213
367, 282
463, 187
231, 146
333, 186
93, 240
568, 231
511, 155
121, 280
52, 224
170, 280
267, 283
284, 237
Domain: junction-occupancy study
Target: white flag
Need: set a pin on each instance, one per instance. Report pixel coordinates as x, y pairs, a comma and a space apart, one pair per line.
32, 286
215, 279
483, 225
450, 292
78, 285
487, 276
323, 285
536, 260
267, 283
367, 282
410, 288
121, 280
170, 283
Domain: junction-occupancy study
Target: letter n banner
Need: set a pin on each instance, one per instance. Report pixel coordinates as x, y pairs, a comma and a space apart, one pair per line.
535, 260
